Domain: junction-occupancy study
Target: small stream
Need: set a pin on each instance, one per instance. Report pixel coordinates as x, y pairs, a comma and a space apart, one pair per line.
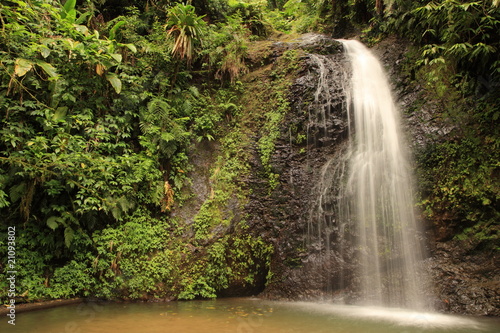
240, 315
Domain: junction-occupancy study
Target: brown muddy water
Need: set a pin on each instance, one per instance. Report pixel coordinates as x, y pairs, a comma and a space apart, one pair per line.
239, 315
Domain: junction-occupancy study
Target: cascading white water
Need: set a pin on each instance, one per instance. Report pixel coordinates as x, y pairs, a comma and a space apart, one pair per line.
377, 197
364, 215
326, 99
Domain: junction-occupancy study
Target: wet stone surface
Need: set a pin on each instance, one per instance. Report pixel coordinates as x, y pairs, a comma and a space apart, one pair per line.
465, 283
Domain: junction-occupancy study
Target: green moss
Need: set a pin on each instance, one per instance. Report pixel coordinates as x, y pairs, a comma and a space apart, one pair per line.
227, 193
271, 100
231, 259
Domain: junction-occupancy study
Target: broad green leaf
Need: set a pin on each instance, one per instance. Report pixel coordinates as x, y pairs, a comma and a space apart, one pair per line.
52, 222
47, 68
82, 17
117, 57
82, 29
3, 199
22, 66
45, 51
71, 16
114, 29
68, 11
131, 47
60, 113
115, 82
69, 5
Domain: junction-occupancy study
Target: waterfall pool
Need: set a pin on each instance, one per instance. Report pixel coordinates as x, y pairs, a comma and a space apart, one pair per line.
240, 315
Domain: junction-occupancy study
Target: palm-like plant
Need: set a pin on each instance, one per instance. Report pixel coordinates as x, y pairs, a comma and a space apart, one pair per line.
186, 27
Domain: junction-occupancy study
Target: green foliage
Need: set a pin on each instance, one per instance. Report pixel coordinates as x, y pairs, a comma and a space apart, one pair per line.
227, 48
459, 174
484, 235
97, 120
461, 33
64, 136
252, 13
211, 109
463, 185
227, 193
230, 259
187, 29
467, 177
73, 279
164, 125
215, 10
304, 15
133, 260
278, 20
298, 16
465, 33
325, 16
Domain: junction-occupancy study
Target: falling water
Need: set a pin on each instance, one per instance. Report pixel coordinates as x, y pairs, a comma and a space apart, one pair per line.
365, 197
326, 100
378, 192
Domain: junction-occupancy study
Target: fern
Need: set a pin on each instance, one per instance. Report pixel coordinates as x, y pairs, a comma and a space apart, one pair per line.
465, 32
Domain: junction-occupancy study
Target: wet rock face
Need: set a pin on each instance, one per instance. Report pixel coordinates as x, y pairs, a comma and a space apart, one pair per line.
203, 156
314, 44
465, 282
318, 94
468, 281
420, 123
310, 134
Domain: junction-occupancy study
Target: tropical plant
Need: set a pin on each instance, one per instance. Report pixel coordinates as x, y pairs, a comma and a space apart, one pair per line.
187, 28
227, 48
252, 13
462, 32
96, 119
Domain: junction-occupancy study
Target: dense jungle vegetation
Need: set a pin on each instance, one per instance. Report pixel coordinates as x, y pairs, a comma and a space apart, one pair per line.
101, 102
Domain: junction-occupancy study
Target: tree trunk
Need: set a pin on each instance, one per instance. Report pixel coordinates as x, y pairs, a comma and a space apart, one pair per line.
379, 6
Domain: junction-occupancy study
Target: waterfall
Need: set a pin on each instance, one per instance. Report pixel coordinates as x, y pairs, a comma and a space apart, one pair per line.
364, 213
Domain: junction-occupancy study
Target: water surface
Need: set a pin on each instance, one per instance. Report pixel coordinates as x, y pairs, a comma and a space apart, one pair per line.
239, 315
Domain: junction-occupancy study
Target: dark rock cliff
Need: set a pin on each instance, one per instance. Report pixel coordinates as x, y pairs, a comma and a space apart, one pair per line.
465, 281
306, 142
